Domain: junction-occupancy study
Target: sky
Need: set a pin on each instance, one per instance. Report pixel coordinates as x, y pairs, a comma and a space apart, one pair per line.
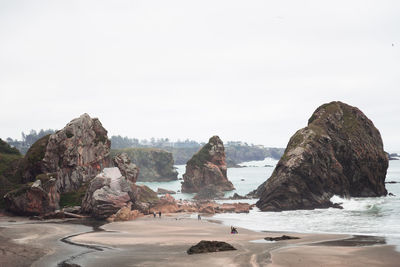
252, 71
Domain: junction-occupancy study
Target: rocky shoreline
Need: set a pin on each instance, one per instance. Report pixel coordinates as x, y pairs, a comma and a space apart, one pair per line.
151, 243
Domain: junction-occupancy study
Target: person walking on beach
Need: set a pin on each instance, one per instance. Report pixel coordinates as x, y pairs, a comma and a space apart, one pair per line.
159, 214
198, 217
154, 214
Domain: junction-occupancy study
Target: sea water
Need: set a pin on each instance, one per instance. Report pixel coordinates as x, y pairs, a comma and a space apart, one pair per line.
362, 216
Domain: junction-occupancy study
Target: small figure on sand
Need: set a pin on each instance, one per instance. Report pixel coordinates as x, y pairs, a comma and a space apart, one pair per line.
159, 214
234, 230
198, 217
154, 214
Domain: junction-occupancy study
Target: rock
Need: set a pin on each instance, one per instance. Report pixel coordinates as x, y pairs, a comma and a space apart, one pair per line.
128, 169
77, 153
207, 168
209, 192
36, 198
167, 204
74, 209
236, 196
210, 246
125, 214
154, 164
340, 152
280, 238
165, 191
109, 191
391, 194
391, 182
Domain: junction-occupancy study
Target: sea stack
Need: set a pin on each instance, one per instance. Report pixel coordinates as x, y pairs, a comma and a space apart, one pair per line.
77, 153
340, 152
207, 169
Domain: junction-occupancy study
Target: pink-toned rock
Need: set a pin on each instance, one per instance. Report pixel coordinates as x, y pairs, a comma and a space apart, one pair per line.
34, 199
125, 214
77, 153
207, 168
109, 191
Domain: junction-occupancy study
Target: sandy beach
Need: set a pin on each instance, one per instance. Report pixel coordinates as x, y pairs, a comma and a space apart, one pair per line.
152, 241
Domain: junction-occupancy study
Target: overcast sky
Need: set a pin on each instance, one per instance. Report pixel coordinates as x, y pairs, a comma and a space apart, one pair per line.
245, 70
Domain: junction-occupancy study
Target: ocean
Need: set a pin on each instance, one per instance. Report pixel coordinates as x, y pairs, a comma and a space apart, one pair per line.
360, 216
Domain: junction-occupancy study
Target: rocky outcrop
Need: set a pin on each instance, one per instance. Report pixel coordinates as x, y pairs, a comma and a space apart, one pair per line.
210, 246
163, 191
109, 191
128, 169
207, 168
77, 153
154, 164
340, 152
36, 198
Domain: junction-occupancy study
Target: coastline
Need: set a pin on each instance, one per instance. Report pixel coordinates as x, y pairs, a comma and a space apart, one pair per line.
150, 241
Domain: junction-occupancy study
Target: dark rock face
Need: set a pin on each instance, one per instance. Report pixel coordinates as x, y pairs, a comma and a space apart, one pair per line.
128, 169
154, 164
163, 191
210, 246
109, 191
77, 153
207, 168
280, 238
34, 199
340, 152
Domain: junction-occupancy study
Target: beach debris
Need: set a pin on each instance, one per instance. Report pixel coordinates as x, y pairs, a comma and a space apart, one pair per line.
209, 246
280, 238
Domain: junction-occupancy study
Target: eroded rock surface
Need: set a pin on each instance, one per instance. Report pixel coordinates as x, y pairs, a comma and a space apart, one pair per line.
340, 152
127, 168
109, 191
77, 153
207, 168
36, 198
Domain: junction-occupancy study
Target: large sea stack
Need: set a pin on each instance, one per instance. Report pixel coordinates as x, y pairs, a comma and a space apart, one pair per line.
207, 169
340, 152
77, 153
59, 163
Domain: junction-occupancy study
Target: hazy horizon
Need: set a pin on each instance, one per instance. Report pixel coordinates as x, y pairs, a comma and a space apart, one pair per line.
246, 71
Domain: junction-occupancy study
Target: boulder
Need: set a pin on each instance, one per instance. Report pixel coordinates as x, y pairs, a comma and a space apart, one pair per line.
340, 152
128, 169
209, 246
77, 153
109, 191
165, 191
125, 214
207, 168
37, 198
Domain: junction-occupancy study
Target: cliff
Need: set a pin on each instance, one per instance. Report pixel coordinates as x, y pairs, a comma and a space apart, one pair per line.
207, 168
154, 164
340, 152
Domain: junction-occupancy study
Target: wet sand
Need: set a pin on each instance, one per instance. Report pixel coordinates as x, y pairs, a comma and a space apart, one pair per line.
152, 241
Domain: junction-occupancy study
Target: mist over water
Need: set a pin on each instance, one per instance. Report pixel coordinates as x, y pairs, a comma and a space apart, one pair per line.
362, 216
